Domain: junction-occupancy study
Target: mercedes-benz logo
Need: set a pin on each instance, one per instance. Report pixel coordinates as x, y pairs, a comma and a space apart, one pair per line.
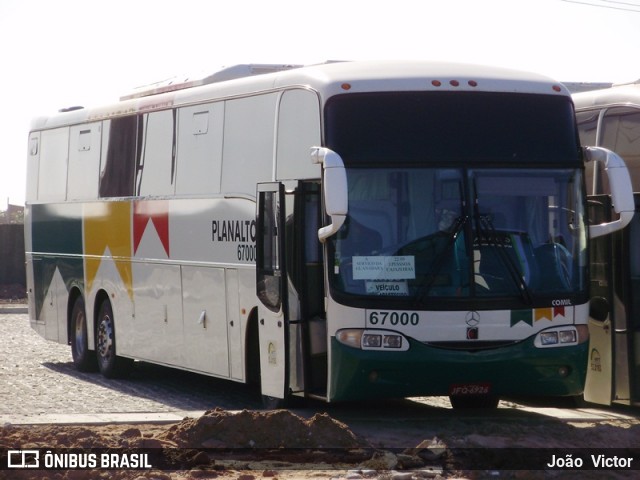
472, 318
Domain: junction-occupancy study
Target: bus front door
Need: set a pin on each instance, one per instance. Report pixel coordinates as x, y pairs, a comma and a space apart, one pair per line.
271, 288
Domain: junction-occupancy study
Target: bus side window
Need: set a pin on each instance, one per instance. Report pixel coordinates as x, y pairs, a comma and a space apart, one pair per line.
156, 170
118, 165
587, 127
199, 149
84, 162
52, 167
621, 133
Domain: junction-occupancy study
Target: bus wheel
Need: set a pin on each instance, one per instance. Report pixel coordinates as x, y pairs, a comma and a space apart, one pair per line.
110, 364
461, 402
83, 358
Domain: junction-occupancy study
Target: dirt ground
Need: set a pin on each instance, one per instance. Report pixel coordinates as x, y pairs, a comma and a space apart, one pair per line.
250, 445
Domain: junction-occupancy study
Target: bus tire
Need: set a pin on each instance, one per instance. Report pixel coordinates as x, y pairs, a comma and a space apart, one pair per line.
83, 359
110, 364
464, 402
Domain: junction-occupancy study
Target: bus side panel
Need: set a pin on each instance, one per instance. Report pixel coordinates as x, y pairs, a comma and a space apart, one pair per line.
56, 231
234, 331
298, 130
200, 140
248, 148
155, 332
205, 320
84, 161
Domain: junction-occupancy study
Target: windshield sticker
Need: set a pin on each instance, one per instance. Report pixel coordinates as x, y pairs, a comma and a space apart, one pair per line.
384, 268
387, 288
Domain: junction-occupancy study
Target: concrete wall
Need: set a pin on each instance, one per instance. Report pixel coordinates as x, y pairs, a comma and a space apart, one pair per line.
12, 269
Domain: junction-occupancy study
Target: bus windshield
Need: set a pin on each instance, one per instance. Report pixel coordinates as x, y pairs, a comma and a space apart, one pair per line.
461, 208
439, 232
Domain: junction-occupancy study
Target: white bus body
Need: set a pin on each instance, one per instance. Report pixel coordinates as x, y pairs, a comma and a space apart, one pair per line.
216, 225
610, 118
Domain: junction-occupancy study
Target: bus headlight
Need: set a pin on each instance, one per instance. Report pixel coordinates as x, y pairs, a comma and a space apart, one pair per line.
372, 339
548, 338
562, 336
393, 341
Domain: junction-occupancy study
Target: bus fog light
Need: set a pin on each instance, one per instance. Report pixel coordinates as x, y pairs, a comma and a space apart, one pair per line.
549, 338
392, 341
568, 336
371, 340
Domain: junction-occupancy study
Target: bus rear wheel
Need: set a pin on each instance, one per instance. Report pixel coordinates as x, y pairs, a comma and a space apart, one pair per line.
110, 364
463, 402
83, 358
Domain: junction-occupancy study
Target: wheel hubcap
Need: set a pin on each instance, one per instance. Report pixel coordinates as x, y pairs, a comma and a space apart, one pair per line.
105, 339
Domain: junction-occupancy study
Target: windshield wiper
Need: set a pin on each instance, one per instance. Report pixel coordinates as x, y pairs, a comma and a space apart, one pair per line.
441, 258
494, 240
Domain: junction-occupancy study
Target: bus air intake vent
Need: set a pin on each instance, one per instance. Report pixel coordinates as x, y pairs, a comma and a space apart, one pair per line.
472, 346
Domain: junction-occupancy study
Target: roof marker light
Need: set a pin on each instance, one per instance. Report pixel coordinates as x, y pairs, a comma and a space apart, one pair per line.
346, 86
557, 88
454, 83
436, 83
473, 83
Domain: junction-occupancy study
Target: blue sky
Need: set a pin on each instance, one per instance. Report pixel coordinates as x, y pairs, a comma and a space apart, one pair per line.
83, 52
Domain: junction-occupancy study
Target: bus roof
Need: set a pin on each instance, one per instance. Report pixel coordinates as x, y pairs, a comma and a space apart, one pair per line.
328, 79
617, 95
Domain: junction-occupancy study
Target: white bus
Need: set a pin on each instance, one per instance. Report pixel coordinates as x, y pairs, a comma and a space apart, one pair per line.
611, 118
344, 231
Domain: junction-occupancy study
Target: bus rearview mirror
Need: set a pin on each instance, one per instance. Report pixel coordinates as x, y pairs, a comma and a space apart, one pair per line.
621, 190
335, 189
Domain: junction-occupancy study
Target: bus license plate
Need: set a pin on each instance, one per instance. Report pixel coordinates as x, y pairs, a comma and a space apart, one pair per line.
470, 389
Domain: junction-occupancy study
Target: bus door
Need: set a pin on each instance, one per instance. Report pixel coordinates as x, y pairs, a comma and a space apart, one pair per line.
271, 289
633, 256
308, 327
614, 326
290, 286
599, 382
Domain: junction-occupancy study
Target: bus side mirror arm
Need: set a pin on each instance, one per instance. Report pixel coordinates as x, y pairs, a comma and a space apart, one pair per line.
335, 189
621, 190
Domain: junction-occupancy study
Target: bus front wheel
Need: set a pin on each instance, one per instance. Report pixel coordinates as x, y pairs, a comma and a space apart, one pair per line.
111, 365
83, 358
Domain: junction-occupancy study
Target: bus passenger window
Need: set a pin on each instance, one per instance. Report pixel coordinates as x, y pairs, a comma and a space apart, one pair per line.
118, 165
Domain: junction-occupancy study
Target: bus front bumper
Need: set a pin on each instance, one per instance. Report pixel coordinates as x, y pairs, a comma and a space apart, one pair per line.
516, 370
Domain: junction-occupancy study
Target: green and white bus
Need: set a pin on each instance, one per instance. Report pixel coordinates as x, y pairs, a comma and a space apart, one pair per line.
343, 231
610, 118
